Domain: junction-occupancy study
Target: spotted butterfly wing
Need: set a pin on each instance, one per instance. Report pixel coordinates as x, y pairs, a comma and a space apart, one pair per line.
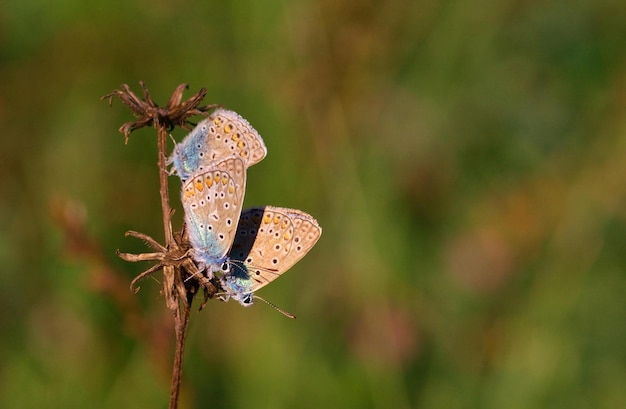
212, 200
221, 135
269, 241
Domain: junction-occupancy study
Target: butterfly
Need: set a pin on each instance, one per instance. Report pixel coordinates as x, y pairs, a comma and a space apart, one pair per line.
221, 135
269, 241
212, 201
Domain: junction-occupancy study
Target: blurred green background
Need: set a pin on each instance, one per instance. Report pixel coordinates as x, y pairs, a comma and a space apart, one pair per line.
466, 160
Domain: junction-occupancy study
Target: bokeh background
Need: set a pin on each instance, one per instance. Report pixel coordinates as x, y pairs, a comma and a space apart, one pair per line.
467, 161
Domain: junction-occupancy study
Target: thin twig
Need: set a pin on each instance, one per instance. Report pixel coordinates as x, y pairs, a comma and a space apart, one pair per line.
181, 323
149, 240
181, 318
163, 174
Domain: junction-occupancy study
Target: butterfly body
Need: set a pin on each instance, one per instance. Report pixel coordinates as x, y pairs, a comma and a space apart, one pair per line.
223, 134
269, 240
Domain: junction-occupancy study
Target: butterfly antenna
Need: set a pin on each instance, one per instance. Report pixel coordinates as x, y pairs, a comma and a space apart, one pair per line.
173, 140
252, 266
169, 160
285, 313
191, 267
236, 264
239, 265
195, 273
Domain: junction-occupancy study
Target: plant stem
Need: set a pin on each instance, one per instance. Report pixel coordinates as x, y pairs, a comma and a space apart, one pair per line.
163, 175
182, 308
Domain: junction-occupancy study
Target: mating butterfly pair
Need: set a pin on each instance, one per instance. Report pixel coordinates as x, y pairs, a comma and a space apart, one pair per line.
245, 250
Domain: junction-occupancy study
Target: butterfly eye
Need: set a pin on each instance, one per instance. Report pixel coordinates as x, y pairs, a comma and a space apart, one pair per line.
225, 267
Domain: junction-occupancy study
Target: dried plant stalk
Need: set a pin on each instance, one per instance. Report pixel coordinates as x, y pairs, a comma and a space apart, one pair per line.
181, 278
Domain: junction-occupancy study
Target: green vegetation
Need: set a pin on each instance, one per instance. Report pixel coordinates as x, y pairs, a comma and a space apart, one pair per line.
467, 162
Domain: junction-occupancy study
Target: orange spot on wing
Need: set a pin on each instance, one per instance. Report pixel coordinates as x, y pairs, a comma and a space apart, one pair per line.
199, 185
